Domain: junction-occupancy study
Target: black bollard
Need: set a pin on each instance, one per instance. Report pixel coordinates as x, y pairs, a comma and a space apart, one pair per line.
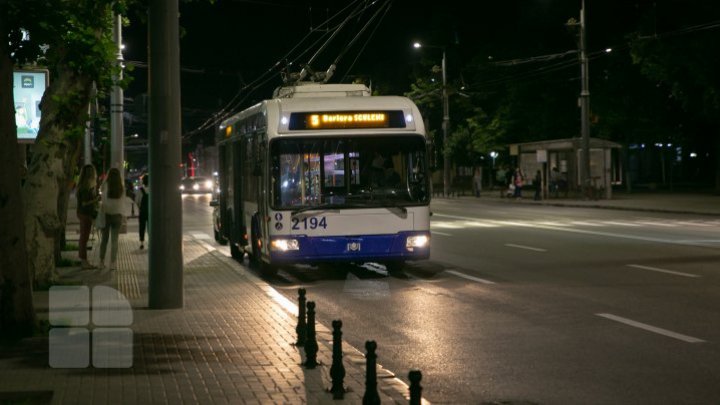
371, 396
415, 389
301, 327
311, 346
337, 370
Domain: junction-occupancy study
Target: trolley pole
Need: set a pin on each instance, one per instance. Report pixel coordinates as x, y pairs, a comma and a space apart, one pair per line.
165, 279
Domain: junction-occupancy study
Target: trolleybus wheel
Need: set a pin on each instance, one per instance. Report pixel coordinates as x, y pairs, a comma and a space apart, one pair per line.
236, 252
220, 239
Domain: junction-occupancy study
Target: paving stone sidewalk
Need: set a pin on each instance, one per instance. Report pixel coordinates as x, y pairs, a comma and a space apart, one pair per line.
230, 344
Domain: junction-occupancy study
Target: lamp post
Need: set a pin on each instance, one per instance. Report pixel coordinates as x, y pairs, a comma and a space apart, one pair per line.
117, 132
493, 155
585, 182
446, 120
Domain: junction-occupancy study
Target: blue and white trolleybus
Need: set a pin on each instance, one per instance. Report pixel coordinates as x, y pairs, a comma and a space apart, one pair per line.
325, 173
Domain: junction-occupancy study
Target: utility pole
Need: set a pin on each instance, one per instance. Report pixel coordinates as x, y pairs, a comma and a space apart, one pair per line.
117, 152
584, 107
165, 280
446, 129
446, 119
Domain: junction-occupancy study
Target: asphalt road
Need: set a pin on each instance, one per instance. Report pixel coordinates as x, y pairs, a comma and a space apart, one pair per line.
524, 304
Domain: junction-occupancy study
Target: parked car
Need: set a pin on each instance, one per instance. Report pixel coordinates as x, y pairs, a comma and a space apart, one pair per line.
196, 185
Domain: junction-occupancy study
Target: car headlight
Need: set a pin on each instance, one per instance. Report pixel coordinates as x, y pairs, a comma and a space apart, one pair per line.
182, 187
196, 186
417, 241
209, 185
284, 245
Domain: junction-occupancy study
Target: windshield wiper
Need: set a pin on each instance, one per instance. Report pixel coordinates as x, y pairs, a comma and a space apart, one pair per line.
392, 204
313, 208
373, 204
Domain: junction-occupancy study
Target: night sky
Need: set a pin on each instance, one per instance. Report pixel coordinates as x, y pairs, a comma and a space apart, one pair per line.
230, 44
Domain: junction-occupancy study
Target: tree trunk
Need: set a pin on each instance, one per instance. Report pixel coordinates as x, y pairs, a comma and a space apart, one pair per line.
64, 107
17, 314
65, 188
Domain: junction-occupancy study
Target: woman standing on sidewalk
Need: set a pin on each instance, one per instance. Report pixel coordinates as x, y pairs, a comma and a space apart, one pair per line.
87, 207
142, 200
113, 205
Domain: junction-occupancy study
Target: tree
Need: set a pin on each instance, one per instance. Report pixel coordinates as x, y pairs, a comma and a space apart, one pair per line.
74, 40
682, 58
17, 315
81, 51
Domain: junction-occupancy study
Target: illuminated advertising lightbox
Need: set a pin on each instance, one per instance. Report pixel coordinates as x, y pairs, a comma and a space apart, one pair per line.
28, 89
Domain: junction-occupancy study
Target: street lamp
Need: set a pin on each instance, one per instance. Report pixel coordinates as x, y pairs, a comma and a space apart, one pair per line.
446, 120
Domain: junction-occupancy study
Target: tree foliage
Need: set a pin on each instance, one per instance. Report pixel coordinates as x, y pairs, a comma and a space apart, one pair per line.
660, 85
73, 40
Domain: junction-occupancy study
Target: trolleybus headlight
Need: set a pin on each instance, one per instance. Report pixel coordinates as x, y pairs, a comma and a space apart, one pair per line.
209, 184
196, 187
416, 241
182, 187
284, 245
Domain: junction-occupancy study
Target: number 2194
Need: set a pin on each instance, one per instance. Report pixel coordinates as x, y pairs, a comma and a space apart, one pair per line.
309, 223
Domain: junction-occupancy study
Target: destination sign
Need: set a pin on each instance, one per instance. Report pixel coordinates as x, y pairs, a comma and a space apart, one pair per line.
346, 120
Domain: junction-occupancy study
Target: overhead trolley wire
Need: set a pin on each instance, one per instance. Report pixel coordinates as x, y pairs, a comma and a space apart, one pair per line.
231, 107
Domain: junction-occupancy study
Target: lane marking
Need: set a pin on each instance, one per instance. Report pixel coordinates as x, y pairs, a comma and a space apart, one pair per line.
552, 223
465, 276
440, 233
650, 328
525, 247
655, 223
582, 231
676, 273
583, 223
621, 223
200, 235
692, 223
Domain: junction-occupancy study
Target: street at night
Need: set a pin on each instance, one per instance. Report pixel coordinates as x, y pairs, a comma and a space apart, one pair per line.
509, 202
536, 303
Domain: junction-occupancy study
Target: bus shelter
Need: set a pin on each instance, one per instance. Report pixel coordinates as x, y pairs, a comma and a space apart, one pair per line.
559, 162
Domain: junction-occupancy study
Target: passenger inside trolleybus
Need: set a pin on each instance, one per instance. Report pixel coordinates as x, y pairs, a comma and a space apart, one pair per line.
343, 172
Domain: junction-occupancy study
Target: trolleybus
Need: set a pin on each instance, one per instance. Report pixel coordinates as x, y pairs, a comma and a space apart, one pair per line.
324, 173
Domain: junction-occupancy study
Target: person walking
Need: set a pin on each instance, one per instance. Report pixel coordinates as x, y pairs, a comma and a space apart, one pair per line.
113, 206
477, 181
87, 208
142, 200
509, 183
518, 179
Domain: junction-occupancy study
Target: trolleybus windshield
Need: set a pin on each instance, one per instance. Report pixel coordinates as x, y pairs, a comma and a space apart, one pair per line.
346, 172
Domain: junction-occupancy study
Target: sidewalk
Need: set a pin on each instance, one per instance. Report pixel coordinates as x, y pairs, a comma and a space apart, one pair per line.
232, 342
680, 203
